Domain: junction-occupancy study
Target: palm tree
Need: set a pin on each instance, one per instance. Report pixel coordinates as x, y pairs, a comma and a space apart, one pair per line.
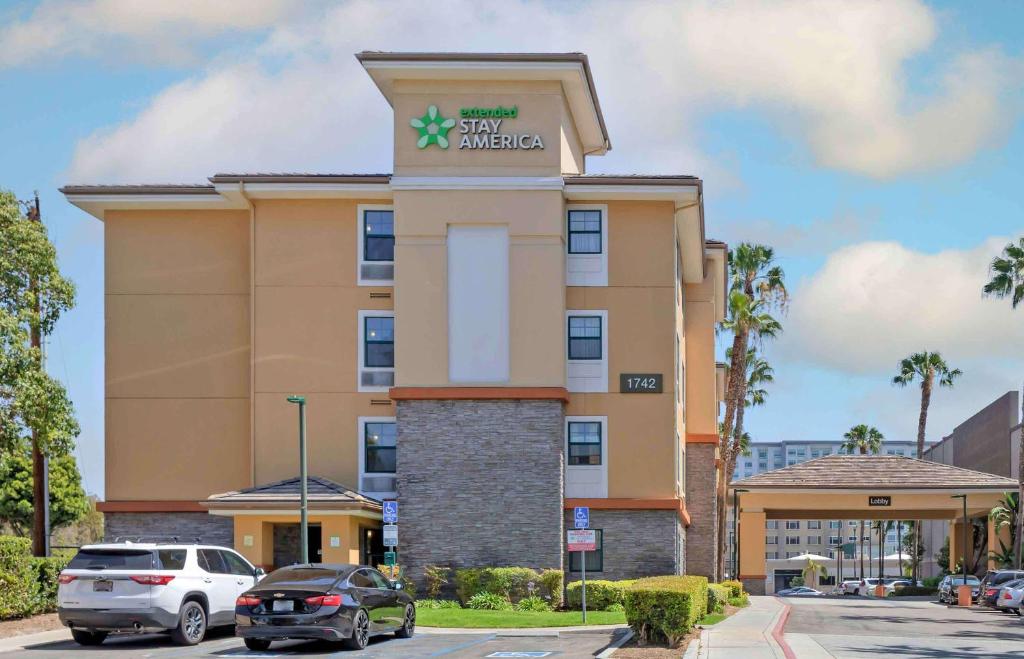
864, 439
812, 571
1007, 280
926, 367
1006, 514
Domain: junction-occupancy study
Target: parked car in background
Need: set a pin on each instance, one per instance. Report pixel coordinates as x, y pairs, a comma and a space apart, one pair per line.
866, 586
949, 584
1010, 596
988, 590
347, 603
147, 587
892, 585
800, 591
848, 586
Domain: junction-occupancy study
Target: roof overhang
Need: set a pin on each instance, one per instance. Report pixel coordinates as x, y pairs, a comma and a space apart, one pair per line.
718, 262
572, 70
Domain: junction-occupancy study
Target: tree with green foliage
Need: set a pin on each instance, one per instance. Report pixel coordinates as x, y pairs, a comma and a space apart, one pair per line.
863, 439
1007, 281
35, 410
68, 502
813, 571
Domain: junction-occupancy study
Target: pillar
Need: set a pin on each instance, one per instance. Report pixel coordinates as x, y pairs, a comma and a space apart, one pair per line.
752, 547
993, 544
701, 503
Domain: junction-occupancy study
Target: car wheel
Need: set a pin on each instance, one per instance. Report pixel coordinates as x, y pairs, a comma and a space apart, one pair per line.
191, 624
408, 627
257, 644
360, 632
857, 592
83, 637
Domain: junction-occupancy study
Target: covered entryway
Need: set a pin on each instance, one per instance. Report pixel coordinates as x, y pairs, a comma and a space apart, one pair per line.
868, 487
342, 522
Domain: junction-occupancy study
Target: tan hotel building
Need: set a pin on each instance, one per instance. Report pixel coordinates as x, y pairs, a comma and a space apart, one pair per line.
466, 331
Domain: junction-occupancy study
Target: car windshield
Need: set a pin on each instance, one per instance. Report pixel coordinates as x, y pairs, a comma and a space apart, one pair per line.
301, 577
112, 559
970, 580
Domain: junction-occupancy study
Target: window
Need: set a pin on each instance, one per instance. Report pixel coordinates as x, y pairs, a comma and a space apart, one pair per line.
762, 466
814, 524
834, 539
378, 580
851, 538
585, 443
814, 539
595, 559
585, 232
793, 540
835, 524
771, 555
762, 454
361, 579
771, 524
211, 561
172, 559
851, 523
378, 235
379, 341
236, 564
585, 337
380, 449
792, 525
771, 540
792, 554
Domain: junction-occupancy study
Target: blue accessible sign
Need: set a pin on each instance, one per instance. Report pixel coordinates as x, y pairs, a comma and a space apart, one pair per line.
581, 516
391, 512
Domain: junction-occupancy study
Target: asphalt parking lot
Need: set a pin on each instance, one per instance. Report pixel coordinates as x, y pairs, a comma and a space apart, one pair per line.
221, 643
860, 627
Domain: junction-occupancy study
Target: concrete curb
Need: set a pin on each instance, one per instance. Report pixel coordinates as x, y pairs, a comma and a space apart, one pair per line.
524, 631
778, 631
693, 650
615, 645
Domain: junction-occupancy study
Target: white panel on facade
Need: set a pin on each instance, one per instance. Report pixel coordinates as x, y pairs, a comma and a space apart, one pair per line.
478, 304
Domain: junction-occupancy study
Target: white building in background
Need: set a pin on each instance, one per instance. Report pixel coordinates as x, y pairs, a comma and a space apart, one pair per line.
786, 539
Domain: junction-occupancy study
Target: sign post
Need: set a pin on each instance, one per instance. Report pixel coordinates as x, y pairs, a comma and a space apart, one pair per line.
581, 518
390, 514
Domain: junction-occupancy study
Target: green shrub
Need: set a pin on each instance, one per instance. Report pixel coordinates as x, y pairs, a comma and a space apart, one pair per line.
739, 602
19, 579
552, 583
600, 594
437, 604
533, 603
46, 572
489, 602
912, 591
796, 582
665, 608
615, 608
931, 582
717, 596
437, 579
735, 587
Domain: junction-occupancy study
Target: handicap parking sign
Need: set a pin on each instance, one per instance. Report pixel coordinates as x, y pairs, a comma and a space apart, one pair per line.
390, 512
581, 515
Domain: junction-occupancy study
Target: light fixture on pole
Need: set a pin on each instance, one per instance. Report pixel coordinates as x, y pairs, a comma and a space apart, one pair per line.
303, 499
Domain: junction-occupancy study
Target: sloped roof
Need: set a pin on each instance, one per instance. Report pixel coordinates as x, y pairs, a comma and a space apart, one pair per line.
321, 493
876, 472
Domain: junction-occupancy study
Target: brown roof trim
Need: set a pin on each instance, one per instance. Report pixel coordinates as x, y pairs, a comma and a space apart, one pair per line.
383, 179
627, 179
480, 393
577, 58
151, 189
701, 438
149, 507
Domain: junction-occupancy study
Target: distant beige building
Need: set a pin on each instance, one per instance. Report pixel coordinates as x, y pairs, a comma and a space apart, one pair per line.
489, 334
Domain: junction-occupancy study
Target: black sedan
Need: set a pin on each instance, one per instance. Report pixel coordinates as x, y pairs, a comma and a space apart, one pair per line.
347, 603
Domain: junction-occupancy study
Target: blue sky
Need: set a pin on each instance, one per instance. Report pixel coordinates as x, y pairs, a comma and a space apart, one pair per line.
878, 146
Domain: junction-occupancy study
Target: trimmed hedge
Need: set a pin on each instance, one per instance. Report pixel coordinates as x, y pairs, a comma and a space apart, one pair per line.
28, 585
512, 583
914, 591
600, 594
735, 587
718, 594
665, 608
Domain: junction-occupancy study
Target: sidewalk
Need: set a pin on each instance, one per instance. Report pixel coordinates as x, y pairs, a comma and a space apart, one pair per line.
746, 634
22, 641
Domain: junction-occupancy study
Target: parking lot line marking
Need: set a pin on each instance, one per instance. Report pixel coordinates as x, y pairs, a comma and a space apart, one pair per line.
463, 646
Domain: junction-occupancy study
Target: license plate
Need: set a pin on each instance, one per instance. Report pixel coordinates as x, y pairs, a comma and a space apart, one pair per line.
103, 585
284, 606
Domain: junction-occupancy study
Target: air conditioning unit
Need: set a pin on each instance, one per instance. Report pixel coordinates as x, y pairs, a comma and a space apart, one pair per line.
377, 271
379, 484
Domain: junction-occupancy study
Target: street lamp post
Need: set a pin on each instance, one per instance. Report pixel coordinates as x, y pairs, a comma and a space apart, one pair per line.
963, 546
303, 500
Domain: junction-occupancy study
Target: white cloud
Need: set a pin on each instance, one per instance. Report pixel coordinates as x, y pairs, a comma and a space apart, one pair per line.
833, 72
816, 237
153, 31
873, 303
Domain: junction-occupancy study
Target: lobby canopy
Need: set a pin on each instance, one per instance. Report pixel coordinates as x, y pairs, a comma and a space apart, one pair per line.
855, 487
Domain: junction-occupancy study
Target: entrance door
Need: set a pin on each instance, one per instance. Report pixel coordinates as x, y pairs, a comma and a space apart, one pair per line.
315, 544
287, 544
371, 546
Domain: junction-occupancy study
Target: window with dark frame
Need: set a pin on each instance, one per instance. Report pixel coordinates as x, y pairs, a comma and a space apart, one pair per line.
595, 559
378, 235
585, 232
379, 341
585, 337
380, 447
585, 443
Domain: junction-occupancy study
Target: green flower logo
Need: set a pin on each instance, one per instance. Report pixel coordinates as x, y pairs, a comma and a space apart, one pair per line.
433, 128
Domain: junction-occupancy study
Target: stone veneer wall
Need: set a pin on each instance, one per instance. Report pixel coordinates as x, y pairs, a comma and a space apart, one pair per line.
755, 586
702, 535
637, 543
211, 529
480, 483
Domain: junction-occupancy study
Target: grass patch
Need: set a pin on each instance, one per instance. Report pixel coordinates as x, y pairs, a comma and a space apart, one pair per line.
711, 619
514, 619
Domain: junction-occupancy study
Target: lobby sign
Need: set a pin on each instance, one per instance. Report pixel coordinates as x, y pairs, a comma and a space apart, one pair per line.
640, 383
480, 128
879, 501
581, 540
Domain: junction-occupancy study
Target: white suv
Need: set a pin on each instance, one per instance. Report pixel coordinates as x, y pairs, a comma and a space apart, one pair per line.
145, 587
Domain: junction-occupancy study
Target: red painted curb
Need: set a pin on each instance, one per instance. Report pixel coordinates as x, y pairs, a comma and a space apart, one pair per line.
778, 634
